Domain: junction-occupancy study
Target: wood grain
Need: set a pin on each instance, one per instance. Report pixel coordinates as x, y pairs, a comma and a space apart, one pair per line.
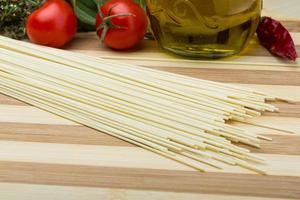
117, 156
288, 8
64, 134
43, 156
9, 101
158, 180
239, 76
13, 191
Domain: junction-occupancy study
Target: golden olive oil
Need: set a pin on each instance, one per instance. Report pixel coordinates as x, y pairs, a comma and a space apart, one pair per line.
204, 28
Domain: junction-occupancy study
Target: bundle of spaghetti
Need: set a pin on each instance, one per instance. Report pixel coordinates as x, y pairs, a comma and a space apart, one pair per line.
178, 117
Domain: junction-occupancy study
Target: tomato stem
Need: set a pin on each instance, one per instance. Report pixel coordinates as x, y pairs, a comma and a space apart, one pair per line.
117, 15
103, 35
107, 24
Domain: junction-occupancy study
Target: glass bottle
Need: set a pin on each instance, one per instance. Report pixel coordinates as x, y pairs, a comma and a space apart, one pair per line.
204, 28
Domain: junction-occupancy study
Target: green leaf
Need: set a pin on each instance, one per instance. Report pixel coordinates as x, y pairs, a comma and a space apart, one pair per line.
84, 13
86, 10
100, 2
142, 3
89, 4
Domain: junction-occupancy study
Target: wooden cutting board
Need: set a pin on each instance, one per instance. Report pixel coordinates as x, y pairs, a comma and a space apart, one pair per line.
43, 156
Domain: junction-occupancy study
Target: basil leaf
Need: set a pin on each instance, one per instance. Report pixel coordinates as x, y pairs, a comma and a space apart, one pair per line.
86, 10
84, 14
142, 3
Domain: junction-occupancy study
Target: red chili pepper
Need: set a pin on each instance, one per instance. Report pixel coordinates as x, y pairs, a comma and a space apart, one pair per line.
276, 38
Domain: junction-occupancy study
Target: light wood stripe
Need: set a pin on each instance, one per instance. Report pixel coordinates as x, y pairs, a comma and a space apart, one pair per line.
127, 157
167, 63
149, 55
292, 92
88, 155
14, 191
288, 9
295, 36
148, 52
259, 63
150, 47
159, 180
29, 114
286, 110
62, 134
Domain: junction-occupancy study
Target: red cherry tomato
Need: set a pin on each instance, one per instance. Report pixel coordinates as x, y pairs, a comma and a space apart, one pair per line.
126, 24
54, 24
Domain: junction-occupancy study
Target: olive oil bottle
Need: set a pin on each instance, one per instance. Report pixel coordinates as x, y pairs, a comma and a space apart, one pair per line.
204, 28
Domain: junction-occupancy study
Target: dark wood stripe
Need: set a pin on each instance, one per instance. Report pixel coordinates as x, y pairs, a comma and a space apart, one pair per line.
286, 110
286, 145
255, 49
147, 179
263, 77
10, 101
57, 134
281, 144
292, 26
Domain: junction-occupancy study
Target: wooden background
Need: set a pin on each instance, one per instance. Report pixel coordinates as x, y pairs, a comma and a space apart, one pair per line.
43, 156
289, 8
